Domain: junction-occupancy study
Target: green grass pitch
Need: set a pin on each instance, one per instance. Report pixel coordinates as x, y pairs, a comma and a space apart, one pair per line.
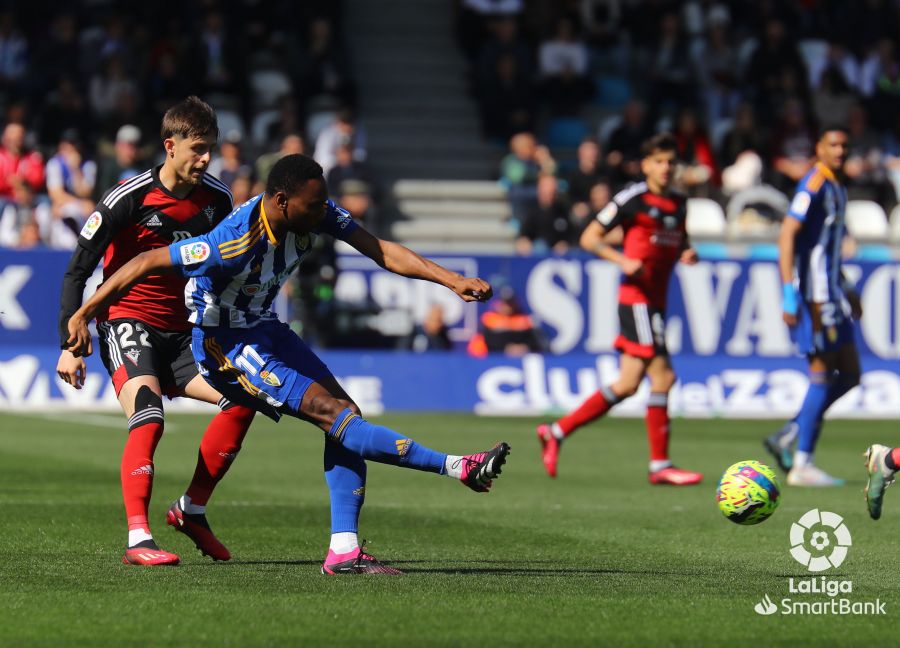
596, 557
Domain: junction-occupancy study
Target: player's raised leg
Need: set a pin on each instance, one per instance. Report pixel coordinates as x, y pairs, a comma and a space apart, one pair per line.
881, 466
142, 402
378, 443
551, 436
661, 470
218, 449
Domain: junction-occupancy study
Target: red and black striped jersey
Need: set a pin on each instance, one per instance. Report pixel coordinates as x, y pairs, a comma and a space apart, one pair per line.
138, 215
655, 227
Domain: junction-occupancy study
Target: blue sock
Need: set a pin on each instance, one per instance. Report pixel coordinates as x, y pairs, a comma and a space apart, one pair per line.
840, 385
345, 473
383, 445
811, 412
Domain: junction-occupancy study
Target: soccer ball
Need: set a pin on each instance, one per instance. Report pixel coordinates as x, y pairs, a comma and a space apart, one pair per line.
748, 492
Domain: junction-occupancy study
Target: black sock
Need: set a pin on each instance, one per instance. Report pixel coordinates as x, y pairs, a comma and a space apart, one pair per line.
889, 460
146, 544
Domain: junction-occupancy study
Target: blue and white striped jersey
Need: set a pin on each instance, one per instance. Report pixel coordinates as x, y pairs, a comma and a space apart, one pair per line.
819, 205
237, 269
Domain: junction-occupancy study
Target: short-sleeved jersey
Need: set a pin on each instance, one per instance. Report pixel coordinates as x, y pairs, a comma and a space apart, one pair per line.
140, 214
238, 268
819, 205
655, 232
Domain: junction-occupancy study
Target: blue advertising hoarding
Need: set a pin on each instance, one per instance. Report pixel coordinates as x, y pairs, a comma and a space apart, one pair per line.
732, 351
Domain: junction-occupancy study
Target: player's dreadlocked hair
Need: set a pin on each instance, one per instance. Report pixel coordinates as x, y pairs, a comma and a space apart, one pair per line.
290, 172
192, 117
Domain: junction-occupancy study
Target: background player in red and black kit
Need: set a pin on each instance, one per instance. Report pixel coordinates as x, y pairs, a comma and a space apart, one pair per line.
651, 218
145, 336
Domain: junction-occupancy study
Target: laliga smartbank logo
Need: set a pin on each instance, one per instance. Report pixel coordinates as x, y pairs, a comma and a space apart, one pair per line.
823, 533
819, 541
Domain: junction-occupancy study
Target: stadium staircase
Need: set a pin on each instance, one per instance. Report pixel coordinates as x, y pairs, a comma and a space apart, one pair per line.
423, 127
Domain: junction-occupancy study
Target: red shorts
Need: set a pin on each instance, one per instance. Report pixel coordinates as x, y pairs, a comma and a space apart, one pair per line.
642, 331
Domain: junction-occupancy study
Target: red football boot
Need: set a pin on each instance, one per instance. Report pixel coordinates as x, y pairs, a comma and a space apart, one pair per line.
195, 527
549, 448
150, 556
673, 476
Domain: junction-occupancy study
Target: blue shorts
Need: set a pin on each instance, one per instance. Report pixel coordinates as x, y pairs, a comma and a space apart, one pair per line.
837, 330
267, 367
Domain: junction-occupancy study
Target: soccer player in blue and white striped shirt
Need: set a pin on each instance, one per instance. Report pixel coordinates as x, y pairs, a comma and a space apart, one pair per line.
246, 353
818, 305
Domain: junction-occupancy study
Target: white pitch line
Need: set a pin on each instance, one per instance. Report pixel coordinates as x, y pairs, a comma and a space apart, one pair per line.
116, 422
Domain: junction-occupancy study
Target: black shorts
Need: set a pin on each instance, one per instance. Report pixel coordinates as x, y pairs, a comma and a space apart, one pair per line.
130, 348
642, 331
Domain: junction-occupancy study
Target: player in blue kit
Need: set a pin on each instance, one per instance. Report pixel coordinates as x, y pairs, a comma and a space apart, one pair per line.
818, 304
236, 271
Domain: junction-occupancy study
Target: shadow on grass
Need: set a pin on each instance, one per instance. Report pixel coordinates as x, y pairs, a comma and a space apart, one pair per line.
486, 567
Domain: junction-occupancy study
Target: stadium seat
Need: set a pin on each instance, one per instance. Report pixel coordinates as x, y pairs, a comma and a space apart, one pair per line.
866, 220
611, 91
745, 52
230, 121
318, 122
607, 126
268, 87
566, 132
813, 51
718, 131
705, 218
259, 129
895, 224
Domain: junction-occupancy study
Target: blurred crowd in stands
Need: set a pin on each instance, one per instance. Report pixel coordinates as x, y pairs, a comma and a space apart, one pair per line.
83, 86
570, 87
574, 86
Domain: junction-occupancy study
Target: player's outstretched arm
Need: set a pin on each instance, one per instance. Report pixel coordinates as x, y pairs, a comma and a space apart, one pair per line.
595, 239
403, 261
143, 265
790, 227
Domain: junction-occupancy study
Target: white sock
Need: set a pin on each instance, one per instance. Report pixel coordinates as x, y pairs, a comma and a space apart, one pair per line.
344, 542
557, 432
659, 464
802, 459
191, 509
453, 466
137, 536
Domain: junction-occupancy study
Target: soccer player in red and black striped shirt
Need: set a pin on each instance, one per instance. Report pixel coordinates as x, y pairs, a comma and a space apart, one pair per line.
145, 336
652, 221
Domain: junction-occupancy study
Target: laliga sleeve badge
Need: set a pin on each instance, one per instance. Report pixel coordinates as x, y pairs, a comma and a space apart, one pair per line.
193, 253
608, 213
800, 203
91, 226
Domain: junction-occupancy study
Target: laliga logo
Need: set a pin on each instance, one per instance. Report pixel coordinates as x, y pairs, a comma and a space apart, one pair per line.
820, 532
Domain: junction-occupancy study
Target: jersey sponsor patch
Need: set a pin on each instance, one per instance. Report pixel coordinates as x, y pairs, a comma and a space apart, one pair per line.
194, 253
801, 203
91, 226
608, 213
